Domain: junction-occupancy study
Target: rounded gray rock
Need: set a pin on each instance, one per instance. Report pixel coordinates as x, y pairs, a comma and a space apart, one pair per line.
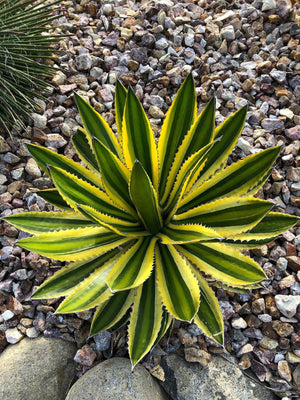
114, 379
41, 368
221, 379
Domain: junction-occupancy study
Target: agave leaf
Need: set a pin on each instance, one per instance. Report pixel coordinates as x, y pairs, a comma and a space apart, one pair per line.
177, 284
120, 100
227, 216
76, 191
238, 289
134, 266
119, 226
209, 317
198, 137
201, 132
138, 139
73, 244
144, 197
63, 281
89, 293
115, 176
223, 263
40, 222
145, 320
228, 133
175, 234
272, 225
97, 127
53, 197
236, 179
110, 312
45, 157
174, 129
246, 244
82, 147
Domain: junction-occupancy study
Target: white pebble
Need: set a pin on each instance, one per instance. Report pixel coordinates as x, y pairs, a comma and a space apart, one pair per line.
13, 335
8, 315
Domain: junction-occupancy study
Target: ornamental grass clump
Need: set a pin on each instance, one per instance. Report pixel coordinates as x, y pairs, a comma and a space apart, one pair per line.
23, 46
146, 223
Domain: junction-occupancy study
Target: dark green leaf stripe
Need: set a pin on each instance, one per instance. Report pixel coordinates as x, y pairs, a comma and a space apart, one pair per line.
91, 292
53, 197
134, 266
75, 191
123, 320
223, 263
45, 158
64, 280
209, 317
120, 100
177, 285
138, 139
145, 320
260, 183
96, 126
144, 198
39, 222
166, 324
228, 133
82, 147
73, 245
174, 128
236, 179
228, 216
115, 176
111, 311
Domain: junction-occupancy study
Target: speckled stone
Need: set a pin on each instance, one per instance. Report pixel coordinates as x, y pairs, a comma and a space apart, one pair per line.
37, 369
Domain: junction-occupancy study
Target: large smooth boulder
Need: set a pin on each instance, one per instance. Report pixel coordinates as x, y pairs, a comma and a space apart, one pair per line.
41, 368
221, 379
114, 379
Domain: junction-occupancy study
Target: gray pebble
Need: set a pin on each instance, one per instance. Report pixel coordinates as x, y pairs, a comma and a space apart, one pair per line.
83, 62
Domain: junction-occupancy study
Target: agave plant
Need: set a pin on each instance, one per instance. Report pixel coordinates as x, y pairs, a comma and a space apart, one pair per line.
22, 48
145, 224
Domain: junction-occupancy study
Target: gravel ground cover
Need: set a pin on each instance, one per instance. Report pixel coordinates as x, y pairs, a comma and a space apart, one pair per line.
242, 52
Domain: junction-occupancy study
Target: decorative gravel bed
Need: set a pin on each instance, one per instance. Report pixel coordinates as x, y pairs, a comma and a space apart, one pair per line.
242, 52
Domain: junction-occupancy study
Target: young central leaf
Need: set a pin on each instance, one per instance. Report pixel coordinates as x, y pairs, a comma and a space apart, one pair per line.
144, 197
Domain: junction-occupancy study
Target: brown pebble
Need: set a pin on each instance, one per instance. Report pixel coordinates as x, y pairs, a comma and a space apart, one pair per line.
294, 263
194, 354
284, 370
287, 282
14, 305
283, 329
258, 306
253, 321
245, 362
259, 369
86, 356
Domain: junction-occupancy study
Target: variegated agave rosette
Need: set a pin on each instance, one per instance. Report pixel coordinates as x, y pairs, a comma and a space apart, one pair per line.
144, 224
